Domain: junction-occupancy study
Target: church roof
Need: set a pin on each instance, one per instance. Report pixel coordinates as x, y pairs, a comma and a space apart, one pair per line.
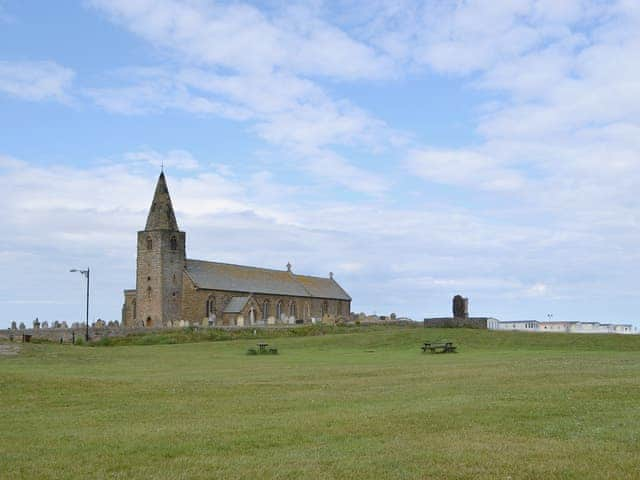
236, 304
161, 215
239, 278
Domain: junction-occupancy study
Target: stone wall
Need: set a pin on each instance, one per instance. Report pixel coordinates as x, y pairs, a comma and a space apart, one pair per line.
66, 334
456, 322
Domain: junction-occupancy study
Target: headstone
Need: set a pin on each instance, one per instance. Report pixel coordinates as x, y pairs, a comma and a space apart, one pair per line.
460, 307
14, 326
36, 324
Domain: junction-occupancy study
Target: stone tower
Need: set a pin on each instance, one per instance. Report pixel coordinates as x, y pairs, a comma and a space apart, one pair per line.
160, 263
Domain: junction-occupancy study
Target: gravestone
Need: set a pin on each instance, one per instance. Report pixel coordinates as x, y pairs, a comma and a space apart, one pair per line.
460, 307
14, 326
36, 324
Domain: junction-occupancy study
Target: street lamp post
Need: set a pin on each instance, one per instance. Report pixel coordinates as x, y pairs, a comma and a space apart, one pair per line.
86, 274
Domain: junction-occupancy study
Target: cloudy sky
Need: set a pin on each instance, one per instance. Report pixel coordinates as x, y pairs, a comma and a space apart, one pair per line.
416, 149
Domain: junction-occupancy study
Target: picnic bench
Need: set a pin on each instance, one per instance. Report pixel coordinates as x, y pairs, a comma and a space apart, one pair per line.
262, 349
443, 347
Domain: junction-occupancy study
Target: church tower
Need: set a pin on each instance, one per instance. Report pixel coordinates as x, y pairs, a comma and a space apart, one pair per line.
160, 263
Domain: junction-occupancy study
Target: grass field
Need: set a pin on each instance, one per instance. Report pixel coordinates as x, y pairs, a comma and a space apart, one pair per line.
365, 403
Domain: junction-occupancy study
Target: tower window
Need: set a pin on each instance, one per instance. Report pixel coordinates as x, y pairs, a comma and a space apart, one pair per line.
149, 243
135, 310
174, 243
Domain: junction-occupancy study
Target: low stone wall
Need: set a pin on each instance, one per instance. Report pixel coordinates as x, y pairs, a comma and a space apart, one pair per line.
63, 335
456, 322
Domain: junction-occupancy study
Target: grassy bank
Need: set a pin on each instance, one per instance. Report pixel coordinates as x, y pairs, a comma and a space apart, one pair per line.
362, 402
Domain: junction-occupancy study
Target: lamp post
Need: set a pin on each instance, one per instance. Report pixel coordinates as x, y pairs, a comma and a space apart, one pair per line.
86, 274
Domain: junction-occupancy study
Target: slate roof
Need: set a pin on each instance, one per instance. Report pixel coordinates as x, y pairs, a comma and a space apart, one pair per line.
240, 278
236, 304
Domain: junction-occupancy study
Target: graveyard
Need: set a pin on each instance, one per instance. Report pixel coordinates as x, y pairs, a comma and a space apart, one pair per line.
358, 402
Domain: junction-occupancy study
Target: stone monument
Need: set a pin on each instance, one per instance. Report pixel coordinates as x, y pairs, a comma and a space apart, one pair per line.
460, 307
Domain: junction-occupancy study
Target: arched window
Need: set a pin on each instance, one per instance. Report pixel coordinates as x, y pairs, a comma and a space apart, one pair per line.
265, 310
174, 243
149, 323
306, 312
292, 309
211, 306
279, 310
134, 307
148, 292
339, 308
149, 243
325, 308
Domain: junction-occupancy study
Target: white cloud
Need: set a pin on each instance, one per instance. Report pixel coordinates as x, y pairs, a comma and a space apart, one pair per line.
43, 80
238, 36
464, 168
240, 63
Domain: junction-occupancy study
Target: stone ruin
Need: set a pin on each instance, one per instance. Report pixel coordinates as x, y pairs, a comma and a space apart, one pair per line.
460, 307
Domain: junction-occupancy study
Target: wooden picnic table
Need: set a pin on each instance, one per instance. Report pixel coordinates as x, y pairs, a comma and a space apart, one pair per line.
442, 347
262, 346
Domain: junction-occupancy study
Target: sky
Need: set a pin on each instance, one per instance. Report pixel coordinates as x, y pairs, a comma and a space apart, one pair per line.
418, 150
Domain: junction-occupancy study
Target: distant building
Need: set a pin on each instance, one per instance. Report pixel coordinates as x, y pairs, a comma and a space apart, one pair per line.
555, 326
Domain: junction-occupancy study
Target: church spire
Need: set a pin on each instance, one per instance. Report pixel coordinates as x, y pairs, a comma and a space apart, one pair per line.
161, 215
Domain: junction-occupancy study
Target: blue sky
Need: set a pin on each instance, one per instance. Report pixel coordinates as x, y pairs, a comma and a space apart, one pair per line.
416, 149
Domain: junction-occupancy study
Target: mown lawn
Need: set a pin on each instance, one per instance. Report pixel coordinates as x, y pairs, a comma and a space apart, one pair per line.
365, 404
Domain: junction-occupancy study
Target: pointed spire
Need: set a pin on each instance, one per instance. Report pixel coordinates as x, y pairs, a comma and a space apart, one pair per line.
161, 215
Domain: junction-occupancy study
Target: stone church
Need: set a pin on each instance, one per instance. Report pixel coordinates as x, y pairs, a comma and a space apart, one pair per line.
172, 290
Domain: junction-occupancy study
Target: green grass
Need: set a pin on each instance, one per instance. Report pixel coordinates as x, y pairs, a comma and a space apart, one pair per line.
365, 403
